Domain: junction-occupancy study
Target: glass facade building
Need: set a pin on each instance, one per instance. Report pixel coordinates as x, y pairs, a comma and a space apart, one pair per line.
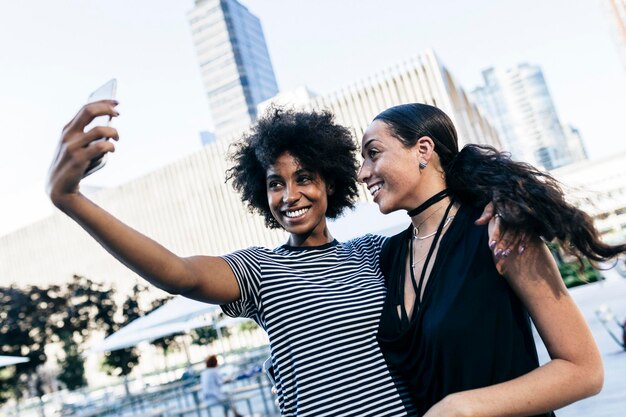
519, 104
234, 62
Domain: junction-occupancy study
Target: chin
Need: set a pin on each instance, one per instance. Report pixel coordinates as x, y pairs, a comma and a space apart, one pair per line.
383, 208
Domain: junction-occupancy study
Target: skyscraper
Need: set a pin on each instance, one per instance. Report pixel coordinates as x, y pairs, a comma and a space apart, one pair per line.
519, 105
234, 62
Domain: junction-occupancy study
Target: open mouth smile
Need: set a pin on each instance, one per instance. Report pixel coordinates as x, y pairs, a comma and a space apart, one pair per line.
375, 188
295, 214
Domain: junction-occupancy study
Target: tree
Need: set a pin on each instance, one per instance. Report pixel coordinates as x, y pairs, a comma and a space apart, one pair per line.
122, 361
88, 307
203, 336
26, 328
165, 343
72, 366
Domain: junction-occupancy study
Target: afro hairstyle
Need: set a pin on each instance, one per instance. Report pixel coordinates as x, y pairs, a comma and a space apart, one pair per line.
313, 139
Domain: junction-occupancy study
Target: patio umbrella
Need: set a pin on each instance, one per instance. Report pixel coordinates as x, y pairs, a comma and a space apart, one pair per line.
121, 340
11, 360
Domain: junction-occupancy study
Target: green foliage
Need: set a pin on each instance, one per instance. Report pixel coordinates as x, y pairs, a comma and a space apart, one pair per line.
72, 366
31, 317
574, 276
572, 271
203, 336
248, 326
122, 361
167, 343
24, 331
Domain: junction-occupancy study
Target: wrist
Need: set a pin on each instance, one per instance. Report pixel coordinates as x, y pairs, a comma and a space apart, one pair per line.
65, 201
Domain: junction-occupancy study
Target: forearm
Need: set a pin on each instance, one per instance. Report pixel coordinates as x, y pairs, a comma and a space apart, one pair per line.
138, 252
550, 387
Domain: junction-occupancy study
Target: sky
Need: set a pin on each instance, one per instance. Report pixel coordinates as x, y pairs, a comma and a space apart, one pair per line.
54, 53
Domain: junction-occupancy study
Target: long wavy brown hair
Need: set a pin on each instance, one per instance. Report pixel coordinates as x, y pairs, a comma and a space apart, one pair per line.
529, 200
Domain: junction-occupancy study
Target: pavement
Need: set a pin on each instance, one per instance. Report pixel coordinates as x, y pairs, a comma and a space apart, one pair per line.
608, 296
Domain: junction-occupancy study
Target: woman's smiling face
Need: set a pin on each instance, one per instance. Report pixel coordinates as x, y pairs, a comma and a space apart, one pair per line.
298, 200
390, 169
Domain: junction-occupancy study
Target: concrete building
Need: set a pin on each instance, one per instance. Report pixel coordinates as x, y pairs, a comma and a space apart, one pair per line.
519, 104
234, 62
599, 188
422, 79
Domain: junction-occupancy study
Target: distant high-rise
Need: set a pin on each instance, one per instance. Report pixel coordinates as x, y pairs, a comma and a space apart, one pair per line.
234, 62
575, 144
519, 105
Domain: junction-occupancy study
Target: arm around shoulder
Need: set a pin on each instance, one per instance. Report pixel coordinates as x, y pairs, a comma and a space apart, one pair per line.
575, 370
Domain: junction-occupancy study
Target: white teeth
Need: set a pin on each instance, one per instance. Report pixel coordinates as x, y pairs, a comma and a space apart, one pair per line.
375, 189
296, 213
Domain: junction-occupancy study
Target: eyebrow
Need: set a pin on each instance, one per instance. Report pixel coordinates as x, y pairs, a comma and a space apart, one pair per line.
298, 172
366, 145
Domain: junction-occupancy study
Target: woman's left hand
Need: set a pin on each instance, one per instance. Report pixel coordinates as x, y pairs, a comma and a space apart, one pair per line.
501, 245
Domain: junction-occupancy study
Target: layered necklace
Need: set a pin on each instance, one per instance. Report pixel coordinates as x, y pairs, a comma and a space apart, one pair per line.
445, 221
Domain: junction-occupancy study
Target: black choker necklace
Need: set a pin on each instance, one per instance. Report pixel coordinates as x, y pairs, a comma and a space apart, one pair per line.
432, 200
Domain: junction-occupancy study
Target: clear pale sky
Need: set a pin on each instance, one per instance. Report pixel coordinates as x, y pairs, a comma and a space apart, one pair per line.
54, 53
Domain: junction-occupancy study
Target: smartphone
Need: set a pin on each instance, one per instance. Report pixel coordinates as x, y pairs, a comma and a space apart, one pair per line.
105, 92
269, 371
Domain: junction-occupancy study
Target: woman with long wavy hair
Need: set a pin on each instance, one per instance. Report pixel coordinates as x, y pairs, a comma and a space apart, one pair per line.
455, 324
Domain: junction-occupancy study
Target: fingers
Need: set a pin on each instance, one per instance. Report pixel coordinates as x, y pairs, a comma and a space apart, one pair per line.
98, 132
488, 213
89, 112
495, 231
98, 148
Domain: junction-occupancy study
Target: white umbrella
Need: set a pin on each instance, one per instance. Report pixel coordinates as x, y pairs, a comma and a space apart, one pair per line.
123, 339
178, 309
11, 360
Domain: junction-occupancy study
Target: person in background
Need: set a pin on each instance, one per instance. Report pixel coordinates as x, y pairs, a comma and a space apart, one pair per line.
211, 382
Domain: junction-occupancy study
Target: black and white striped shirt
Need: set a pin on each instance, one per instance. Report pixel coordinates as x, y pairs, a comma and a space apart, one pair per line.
320, 307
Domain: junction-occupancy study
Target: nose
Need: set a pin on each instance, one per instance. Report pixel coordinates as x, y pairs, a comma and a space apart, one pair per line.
290, 195
363, 173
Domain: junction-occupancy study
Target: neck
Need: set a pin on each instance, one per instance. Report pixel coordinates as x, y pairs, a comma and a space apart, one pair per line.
430, 218
310, 239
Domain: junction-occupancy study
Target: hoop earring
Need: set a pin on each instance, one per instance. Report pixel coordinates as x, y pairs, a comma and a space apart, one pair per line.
422, 164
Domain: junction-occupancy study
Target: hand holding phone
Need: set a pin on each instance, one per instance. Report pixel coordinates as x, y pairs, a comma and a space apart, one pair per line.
105, 92
269, 371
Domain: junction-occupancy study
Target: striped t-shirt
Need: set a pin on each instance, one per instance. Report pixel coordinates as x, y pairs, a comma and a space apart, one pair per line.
320, 307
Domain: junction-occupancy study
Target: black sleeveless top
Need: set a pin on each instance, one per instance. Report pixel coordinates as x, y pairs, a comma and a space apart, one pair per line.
471, 330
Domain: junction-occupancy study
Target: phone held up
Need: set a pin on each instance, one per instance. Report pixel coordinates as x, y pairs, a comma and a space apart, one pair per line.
269, 371
105, 92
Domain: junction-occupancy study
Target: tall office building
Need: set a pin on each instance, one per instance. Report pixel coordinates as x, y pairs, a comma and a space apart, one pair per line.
234, 62
518, 103
617, 12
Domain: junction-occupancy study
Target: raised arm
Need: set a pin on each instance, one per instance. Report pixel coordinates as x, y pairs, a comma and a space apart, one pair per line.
204, 278
575, 370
